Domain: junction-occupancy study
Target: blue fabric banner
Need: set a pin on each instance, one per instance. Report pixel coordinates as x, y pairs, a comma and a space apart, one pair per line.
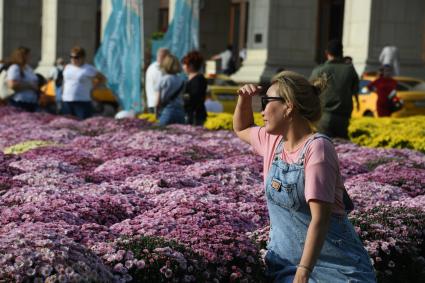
182, 35
120, 56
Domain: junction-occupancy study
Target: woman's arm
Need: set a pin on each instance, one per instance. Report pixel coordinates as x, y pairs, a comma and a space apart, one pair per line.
316, 235
243, 118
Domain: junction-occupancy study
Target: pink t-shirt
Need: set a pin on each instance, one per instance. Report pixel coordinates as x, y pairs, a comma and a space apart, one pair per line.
322, 177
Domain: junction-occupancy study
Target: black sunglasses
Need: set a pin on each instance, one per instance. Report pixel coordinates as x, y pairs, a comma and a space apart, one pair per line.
267, 99
74, 57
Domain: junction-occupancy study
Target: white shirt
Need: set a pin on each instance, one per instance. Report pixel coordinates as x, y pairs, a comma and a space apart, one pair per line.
225, 59
213, 106
243, 54
389, 56
78, 82
153, 77
28, 76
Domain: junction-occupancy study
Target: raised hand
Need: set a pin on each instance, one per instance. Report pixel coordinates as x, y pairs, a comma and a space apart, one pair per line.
249, 90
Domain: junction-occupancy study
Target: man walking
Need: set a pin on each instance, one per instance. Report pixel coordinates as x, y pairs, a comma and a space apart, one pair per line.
343, 83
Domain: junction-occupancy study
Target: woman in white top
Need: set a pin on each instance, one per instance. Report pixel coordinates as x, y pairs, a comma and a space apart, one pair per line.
22, 79
78, 84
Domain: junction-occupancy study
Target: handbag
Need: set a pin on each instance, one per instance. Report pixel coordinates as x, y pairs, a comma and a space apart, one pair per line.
396, 103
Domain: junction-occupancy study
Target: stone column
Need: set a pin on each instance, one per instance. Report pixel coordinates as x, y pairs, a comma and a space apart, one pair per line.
2, 24
292, 37
49, 36
171, 8
257, 42
399, 23
106, 12
356, 35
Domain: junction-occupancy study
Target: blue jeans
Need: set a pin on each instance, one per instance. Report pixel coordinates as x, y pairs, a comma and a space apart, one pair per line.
58, 98
171, 114
58, 93
80, 109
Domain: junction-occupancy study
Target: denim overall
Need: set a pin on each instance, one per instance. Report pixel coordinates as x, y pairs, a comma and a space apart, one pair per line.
342, 258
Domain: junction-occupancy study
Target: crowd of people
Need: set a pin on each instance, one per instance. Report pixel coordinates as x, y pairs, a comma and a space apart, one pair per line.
173, 97
183, 99
176, 98
73, 83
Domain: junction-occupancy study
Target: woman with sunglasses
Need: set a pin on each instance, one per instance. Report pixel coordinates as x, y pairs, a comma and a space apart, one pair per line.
78, 84
311, 238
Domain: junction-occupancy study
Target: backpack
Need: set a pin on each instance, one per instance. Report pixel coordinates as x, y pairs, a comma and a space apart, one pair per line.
59, 79
5, 90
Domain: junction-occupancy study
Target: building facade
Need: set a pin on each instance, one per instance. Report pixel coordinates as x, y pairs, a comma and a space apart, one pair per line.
296, 34
275, 33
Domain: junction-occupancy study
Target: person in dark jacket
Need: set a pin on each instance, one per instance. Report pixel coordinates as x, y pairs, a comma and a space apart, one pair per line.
196, 89
337, 102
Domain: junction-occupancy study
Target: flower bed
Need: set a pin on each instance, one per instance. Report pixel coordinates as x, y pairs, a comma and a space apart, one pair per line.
406, 132
121, 201
371, 132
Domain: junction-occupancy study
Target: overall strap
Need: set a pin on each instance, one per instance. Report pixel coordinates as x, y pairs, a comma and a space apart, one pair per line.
278, 150
301, 156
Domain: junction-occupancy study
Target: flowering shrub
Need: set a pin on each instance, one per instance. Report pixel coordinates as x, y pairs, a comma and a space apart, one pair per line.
389, 132
371, 132
25, 146
395, 239
149, 117
224, 121
122, 201
153, 259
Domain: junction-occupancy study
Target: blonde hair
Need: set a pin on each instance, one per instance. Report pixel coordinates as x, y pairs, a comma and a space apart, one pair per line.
170, 64
302, 94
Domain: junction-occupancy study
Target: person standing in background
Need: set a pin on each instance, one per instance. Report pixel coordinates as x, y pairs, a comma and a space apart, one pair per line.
196, 89
171, 87
383, 86
228, 66
78, 84
337, 99
153, 77
56, 74
389, 56
22, 79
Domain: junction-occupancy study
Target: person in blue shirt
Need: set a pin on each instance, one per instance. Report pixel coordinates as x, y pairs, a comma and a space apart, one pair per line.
171, 86
22, 80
